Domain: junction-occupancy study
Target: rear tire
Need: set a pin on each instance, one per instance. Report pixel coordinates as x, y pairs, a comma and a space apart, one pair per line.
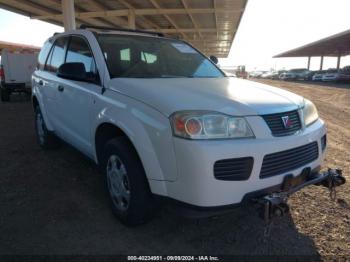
46, 139
126, 181
5, 95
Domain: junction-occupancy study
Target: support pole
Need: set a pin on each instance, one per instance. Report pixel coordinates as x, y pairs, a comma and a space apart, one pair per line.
338, 61
308, 62
131, 20
68, 15
321, 64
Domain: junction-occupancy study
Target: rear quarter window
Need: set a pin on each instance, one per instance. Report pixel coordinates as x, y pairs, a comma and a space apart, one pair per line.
57, 55
43, 54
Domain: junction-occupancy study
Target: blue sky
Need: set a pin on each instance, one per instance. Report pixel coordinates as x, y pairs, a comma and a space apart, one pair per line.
268, 27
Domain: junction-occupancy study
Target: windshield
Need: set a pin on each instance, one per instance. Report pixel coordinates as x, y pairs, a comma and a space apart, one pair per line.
150, 57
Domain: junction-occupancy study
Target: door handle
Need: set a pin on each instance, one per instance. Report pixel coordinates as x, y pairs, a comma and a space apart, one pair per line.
60, 88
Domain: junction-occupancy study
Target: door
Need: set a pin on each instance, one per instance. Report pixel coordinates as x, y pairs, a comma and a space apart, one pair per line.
48, 81
75, 99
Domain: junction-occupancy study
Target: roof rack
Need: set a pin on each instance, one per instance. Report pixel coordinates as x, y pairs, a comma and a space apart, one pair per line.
84, 26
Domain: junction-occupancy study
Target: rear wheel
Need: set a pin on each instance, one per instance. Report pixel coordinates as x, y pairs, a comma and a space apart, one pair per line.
5, 95
46, 139
131, 199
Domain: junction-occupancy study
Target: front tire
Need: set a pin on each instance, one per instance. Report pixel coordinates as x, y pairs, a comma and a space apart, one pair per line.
131, 199
46, 139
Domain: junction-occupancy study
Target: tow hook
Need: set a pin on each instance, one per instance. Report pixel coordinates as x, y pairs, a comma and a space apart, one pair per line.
276, 204
334, 180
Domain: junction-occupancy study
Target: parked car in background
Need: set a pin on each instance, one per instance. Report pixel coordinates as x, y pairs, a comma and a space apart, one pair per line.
341, 75
317, 76
296, 74
256, 74
267, 75
287, 76
309, 75
16, 69
344, 74
331, 75
346, 69
276, 74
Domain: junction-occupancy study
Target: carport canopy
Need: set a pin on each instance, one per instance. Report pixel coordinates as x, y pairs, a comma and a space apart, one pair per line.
334, 46
209, 25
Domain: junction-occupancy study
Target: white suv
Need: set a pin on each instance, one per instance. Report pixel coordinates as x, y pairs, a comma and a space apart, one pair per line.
164, 123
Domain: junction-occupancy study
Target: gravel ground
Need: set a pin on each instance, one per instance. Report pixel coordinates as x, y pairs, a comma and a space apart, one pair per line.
55, 202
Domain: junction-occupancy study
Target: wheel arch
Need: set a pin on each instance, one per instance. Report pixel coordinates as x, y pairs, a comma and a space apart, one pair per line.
35, 102
104, 133
107, 130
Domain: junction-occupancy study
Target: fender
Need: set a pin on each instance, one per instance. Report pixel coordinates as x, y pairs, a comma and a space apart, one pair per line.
148, 130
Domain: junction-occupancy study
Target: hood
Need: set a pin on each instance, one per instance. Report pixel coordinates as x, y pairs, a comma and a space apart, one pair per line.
226, 95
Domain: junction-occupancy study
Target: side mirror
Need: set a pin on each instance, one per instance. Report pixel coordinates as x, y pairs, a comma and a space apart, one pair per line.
214, 59
72, 71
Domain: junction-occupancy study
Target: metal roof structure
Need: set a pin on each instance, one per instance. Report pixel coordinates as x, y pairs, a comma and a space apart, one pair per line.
18, 47
209, 25
335, 45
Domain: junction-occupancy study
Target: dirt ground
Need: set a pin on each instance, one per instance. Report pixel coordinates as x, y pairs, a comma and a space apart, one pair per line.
55, 202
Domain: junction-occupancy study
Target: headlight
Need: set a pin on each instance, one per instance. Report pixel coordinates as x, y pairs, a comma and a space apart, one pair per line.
309, 112
209, 125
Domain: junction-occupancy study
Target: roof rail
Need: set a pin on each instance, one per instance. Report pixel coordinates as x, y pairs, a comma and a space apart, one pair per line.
84, 26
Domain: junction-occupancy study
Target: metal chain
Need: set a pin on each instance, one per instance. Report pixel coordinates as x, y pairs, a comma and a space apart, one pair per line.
331, 188
332, 191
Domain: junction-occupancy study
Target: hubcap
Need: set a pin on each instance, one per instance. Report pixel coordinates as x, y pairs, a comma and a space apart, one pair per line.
118, 183
40, 128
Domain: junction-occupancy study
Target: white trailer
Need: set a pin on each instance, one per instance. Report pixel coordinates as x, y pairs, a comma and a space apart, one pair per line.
16, 69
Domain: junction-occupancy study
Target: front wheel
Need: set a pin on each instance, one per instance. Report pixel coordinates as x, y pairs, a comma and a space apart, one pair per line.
131, 199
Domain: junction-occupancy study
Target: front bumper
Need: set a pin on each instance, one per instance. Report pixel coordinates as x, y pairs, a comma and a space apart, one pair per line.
196, 184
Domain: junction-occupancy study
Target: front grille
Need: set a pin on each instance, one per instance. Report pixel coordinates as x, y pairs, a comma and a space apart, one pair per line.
235, 169
277, 127
285, 161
